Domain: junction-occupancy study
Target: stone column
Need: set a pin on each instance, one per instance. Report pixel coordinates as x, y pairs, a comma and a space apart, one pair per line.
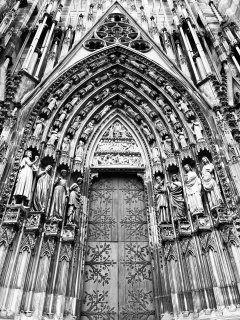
48, 39
215, 11
5, 290
168, 45
199, 63
187, 46
34, 58
51, 59
183, 61
199, 47
66, 42
37, 36
3, 73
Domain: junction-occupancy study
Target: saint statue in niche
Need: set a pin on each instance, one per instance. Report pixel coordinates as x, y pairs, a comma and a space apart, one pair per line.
42, 191
161, 201
59, 195
25, 177
66, 144
193, 190
176, 198
155, 154
197, 130
74, 202
53, 137
210, 184
182, 139
79, 151
39, 125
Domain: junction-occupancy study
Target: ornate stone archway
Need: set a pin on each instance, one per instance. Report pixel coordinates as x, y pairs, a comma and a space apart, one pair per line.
65, 127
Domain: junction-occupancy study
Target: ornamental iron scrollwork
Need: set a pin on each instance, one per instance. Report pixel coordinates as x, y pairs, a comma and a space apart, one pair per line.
100, 224
98, 263
137, 263
135, 224
138, 306
96, 307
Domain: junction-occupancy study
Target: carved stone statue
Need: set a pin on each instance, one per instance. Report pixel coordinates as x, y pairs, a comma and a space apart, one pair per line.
193, 190
79, 151
88, 130
25, 177
155, 154
161, 201
176, 198
39, 125
146, 130
210, 184
53, 137
52, 104
59, 195
74, 202
159, 126
42, 191
63, 116
197, 130
74, 126
102, 113
134, 115
66, 144
167, 146
148, 110
182, 139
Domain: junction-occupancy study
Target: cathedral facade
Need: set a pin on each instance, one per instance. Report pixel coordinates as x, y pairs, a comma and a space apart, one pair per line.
119, 159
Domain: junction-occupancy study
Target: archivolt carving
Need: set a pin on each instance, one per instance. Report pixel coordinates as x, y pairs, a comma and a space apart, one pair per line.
157, 95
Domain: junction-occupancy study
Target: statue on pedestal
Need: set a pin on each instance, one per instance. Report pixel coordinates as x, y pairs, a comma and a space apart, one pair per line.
193, 190
161, 201
59, 195
176, 198
74, 202
42, 191
25, 177
210, 184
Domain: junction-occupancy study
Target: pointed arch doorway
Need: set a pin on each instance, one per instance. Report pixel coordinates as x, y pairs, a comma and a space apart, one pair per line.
118, 272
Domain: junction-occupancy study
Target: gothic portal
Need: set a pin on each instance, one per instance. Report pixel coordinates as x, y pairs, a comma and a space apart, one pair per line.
119, 168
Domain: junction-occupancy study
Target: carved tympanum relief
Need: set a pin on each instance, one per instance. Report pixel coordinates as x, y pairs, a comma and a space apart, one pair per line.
117, 147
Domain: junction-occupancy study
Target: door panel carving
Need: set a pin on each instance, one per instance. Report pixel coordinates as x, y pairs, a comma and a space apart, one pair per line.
118, 274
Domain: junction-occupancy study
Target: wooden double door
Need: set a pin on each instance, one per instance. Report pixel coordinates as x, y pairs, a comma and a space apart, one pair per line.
118, 273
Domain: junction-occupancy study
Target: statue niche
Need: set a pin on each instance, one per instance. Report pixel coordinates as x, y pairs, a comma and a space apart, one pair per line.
162, 208
176, 198
75, 202
193, 189
42, 191
209, 181
23, 189
59, 197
